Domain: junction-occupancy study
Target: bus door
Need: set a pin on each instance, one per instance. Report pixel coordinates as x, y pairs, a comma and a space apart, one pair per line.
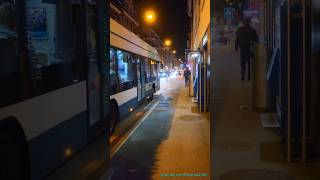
157, 70
94, 75
139, 79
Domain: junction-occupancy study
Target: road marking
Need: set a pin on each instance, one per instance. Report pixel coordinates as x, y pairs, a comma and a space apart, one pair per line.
134, 129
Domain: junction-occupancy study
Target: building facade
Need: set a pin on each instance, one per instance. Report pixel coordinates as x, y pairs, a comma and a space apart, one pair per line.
125, 13
168, 59
199, 58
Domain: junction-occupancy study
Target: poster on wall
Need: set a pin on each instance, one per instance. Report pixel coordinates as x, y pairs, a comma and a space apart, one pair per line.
37, 22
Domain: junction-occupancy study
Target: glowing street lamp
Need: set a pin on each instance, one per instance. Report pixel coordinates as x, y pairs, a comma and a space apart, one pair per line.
167, 42
150, 16
174, 51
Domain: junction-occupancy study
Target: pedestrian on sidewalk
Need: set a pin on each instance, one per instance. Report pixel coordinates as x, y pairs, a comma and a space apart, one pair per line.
186, 75
246, 37
168, 73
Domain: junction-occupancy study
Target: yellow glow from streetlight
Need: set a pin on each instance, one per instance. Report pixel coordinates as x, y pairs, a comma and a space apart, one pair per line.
174, 51
167, 42
150, 16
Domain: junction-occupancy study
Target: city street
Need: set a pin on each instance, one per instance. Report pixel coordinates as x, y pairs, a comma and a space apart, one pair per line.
162, 89
161, 139
172, 140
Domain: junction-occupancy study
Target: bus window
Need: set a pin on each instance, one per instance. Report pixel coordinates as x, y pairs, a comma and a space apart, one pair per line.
53, 31
153, 67
125, 70
9, 63
113, 72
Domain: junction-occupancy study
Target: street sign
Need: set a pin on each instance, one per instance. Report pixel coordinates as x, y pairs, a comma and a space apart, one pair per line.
228, 13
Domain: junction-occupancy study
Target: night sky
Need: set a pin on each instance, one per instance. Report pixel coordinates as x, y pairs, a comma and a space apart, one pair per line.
172, 21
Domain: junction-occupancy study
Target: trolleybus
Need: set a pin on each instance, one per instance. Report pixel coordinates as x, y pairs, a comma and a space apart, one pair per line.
134, 66
55, 90
50, 70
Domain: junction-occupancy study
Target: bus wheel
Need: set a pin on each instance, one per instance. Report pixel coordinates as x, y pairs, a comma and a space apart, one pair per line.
114, 117
14, 157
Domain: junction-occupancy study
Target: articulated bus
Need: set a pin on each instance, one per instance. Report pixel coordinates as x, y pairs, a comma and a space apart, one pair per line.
50, 98
134, 67
54, 97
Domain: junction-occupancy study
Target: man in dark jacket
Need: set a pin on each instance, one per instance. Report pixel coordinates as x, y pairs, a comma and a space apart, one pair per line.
186, 75
246, 38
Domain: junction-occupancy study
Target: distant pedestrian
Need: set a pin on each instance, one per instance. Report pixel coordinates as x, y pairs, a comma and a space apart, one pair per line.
245, 40
186, 75
168, 73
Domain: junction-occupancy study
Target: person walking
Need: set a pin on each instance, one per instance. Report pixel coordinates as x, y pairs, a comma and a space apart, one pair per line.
246, 37
186, 75
168, 73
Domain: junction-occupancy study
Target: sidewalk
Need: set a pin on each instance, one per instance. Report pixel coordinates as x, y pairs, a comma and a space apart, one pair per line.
243, 148
172, 142
186, 150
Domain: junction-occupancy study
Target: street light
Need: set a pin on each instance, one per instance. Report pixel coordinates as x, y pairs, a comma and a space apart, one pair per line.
167, 42
150, 16
174, 51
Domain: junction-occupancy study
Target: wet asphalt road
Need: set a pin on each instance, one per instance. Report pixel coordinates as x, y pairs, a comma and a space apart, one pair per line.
169, 137
155, 147
136, 159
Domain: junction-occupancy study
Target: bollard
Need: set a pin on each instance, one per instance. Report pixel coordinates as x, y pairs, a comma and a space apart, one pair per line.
260, 95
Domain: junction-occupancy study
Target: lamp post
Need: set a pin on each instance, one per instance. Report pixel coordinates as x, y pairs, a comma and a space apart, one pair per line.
150, 16
174, 58
167, 44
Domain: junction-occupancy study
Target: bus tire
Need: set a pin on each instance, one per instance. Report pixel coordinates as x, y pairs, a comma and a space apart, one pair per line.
14, 154
114, 116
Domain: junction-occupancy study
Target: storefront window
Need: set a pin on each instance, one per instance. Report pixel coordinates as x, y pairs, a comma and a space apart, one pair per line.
231, 16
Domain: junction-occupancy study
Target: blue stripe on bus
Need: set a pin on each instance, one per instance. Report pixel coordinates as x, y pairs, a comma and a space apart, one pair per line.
124, 109
48, 150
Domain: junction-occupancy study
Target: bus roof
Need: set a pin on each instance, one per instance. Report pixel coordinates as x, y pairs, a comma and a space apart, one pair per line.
122, 38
